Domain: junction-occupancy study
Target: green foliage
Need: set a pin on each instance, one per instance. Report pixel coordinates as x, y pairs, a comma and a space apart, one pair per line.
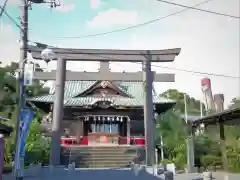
193, 104
235, 103
207, 150
210, 160
233, 153
9, 150
37, 146
172, 129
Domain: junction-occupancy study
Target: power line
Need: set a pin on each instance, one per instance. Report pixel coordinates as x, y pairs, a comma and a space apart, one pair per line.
134, 26
11, 18
196, 72
203, 10
3, 8
191, 71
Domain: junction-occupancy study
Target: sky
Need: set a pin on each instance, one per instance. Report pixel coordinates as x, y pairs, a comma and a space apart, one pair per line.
209, 43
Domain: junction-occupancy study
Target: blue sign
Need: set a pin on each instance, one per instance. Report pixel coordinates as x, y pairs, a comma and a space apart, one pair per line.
26, 117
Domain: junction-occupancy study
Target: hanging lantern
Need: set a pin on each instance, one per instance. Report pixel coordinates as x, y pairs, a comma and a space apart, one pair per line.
99, 118
108, 118
121, 119
94, 118
87, 118
118, 119
113, 118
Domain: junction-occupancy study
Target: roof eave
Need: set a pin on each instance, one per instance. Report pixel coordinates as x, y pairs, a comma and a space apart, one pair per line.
215, 118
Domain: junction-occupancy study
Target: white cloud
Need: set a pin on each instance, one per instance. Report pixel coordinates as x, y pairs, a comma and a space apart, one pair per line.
15, 2
65, 8
9, 45
113, 17
94, 4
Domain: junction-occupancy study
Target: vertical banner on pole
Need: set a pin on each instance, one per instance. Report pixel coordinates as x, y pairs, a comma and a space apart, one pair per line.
26, 117
2, 144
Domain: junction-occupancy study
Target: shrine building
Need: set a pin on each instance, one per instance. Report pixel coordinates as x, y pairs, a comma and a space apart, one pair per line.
100, 113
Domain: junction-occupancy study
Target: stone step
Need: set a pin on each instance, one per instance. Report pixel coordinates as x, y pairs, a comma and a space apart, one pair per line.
106, 160
101, 164
100, 156
102, 149
98, 153
103, 158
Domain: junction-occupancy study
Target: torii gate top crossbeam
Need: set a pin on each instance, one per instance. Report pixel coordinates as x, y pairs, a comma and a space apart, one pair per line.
167, 55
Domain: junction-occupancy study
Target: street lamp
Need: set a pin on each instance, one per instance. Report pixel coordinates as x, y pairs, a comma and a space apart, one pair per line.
47, 55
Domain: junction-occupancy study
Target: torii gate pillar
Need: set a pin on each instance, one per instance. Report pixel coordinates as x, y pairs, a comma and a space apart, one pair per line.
58, 112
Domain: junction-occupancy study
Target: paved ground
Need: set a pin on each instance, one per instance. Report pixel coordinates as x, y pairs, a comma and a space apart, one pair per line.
88, 175
216, 176
110, 174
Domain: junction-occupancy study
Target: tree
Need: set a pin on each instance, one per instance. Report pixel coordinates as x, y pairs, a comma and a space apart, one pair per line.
235, 103
192, 103
173, 130
37, 147
207, 150
8, 90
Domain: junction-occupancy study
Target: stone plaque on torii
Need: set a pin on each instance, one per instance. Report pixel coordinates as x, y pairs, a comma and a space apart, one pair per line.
105, 56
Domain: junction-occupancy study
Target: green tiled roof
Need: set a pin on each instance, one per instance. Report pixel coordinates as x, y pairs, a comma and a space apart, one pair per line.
74, 88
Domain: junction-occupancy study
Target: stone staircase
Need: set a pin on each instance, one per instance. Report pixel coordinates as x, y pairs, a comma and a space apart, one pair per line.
102, 156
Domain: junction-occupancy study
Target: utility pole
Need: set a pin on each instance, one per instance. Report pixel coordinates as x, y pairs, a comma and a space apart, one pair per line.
201, 109
189, 140
18, 164
149, 111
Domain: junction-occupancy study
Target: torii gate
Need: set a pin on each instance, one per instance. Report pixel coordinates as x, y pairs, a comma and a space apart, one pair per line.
105, 56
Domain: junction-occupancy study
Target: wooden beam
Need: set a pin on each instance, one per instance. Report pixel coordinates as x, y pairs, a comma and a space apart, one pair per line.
101, 76
167, 55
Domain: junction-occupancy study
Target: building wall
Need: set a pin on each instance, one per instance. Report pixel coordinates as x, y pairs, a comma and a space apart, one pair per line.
76, 126
136, 127
75, 129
